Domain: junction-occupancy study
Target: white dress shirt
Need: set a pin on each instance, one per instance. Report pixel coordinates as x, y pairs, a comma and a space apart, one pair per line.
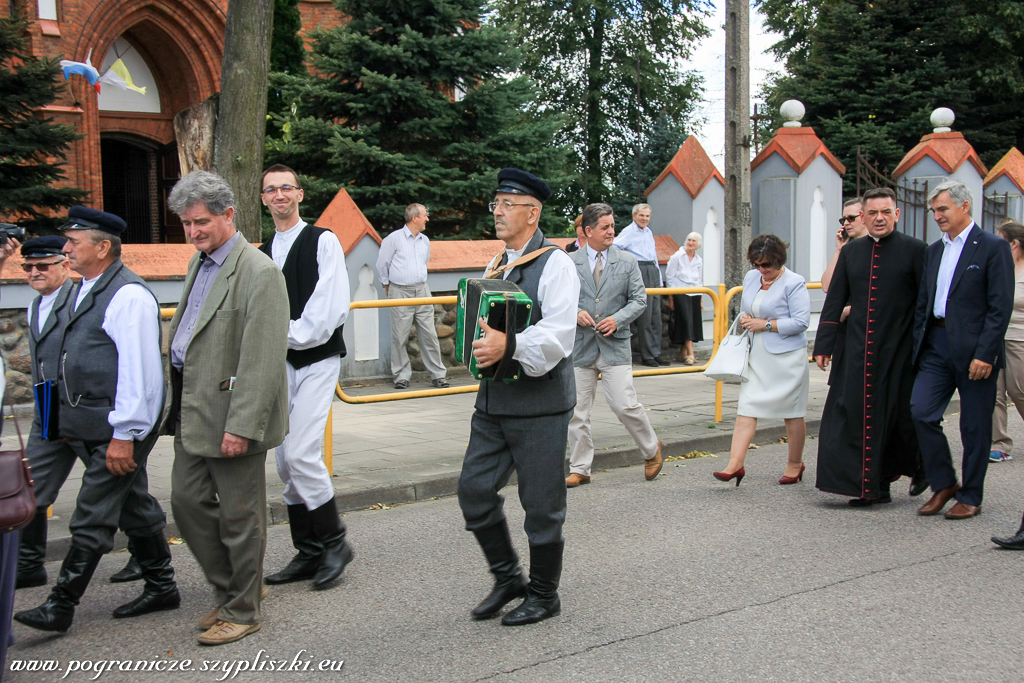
951, 250
640, 243
327, 308
594, 256
542, 345
403, 258
45, 306
684, 272
128, 321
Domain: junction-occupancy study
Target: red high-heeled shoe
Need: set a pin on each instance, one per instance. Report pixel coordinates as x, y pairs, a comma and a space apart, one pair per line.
793, 480
737, 475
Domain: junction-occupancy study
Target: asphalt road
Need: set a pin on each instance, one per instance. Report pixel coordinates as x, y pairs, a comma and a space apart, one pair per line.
681, 579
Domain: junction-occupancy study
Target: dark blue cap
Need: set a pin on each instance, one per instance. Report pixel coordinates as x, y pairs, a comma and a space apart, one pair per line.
514, 181
84, 218
41, 247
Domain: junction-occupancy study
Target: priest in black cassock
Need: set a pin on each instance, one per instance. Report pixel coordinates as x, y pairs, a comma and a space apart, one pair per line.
867, 437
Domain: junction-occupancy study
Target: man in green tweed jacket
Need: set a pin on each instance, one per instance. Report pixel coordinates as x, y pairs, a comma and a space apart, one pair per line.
229, 401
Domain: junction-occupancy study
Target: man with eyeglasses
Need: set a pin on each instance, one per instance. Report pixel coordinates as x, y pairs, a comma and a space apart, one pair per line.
867, 437
523, 425
402, 267
851, 226
313, 264
111, 395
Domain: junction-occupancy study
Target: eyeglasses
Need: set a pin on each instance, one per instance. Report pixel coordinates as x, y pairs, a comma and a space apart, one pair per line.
270, 190
41, 267
848, 219
761, 266
505, 204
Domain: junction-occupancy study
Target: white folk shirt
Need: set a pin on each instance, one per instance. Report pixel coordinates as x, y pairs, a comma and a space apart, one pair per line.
640, 243
45, 306
327, 308
128, 321
684, 272
951, 250
403, 258
542, 346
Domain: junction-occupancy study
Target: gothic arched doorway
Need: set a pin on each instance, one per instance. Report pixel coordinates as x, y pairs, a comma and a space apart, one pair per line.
136, 176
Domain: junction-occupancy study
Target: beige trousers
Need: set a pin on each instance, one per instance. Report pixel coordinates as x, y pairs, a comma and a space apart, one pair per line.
617, 382
402, 319
1011, 383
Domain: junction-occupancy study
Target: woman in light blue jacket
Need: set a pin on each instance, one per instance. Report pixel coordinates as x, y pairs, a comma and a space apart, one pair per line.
776, 309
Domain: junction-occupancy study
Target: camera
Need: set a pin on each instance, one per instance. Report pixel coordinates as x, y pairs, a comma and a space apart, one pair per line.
8, 231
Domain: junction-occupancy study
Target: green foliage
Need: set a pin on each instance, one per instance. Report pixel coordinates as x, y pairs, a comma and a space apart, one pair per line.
287, 53
32, 147
411, 101
664, 141
870, 73
589, 56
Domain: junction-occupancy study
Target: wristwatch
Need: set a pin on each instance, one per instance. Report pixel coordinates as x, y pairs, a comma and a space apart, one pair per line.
768, 326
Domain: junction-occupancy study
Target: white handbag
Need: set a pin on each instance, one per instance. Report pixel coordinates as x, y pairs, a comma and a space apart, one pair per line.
730, 364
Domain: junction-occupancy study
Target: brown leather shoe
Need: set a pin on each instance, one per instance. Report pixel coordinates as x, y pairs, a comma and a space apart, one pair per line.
653, 466
938, 501
575, 479
963, 511
207, 622
225, 632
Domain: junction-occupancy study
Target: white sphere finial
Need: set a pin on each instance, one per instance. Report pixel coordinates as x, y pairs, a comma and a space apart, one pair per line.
942, 119
792, 111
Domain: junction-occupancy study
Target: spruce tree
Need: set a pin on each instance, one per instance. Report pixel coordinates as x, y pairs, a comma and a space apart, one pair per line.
32, 147
411, 101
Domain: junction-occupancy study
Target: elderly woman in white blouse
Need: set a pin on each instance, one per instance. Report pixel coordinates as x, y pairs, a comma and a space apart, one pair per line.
686, 325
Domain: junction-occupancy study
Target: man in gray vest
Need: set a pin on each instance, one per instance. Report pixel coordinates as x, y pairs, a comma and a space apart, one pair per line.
523, 425
313, 264
612, 295
111, 394
47, 270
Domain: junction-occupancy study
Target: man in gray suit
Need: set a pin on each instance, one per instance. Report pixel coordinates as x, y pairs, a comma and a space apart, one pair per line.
229, 401
612, 295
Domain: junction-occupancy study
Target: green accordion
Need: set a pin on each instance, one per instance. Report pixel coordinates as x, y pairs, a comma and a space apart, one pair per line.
506, 308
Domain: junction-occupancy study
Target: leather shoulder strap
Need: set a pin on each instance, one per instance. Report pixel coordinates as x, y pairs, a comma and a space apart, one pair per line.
495, 273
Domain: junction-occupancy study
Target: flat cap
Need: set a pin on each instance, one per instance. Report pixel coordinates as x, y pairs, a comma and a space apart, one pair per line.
41, 247
84, 218
515, 181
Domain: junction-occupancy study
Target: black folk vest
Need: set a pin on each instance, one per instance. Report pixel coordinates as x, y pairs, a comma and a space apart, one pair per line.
88, 359
549, 394
301, 274
44, 345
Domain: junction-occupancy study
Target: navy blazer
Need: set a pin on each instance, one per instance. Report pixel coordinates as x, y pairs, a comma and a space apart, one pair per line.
980, 299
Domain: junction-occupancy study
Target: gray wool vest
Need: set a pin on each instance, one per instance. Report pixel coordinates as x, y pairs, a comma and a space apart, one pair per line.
88, 359
44, 346
549, 394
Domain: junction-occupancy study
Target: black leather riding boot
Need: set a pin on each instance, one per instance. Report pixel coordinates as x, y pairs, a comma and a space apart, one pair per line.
1015, 542
160, 591
542, 594
32, 553
131, 571
329, 530
509, 582
303, 565
59, 609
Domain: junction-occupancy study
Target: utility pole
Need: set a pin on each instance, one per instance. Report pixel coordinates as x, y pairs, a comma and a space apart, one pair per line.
737, 140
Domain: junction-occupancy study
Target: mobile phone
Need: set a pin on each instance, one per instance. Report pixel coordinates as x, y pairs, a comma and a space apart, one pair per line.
845, 233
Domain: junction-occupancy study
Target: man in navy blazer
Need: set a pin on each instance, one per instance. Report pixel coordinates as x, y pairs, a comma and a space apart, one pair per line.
963, 308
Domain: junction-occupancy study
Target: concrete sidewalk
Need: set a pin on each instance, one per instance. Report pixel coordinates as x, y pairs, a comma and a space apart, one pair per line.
401, 451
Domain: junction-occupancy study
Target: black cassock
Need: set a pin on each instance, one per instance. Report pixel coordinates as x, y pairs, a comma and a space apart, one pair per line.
867, 435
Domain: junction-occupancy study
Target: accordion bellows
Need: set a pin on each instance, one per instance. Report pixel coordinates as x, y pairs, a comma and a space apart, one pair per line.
491, 300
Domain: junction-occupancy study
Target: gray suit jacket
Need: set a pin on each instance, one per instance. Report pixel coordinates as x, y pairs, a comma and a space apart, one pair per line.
241, 333
621, 295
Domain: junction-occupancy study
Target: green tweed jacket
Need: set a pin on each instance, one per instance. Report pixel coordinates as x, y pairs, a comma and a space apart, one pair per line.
234, 376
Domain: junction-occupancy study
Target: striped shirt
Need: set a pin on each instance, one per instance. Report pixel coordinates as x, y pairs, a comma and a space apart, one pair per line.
403, 258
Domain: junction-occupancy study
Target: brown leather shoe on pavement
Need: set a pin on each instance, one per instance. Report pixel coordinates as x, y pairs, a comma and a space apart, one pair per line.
225, 632
575, 479
207, 622
938, 501
653, 466
963, 511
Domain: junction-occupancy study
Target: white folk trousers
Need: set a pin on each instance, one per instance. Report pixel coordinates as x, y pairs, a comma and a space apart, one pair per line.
299, 461
617, 382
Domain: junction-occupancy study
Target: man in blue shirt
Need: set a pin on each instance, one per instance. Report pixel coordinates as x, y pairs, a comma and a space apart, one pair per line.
637, 239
